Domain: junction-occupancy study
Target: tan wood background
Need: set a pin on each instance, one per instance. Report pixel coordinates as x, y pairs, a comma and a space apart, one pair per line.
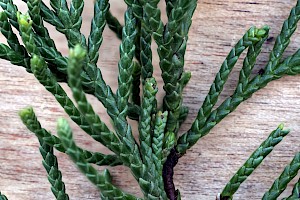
207, 167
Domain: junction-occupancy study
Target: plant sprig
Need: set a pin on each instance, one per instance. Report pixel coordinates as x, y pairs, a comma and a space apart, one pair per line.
152, 157
253, 162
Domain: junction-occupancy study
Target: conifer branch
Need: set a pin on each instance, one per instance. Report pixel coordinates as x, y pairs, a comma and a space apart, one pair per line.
137, 166
51, 17
42, 73
17, 53
253, 162
250, 60
11, 10
98, 24
45, 77
101, 180
158, 136
29, 119
92, 78
127, 49
25, 25
157, 146
14, 57
145, 129
76, 9
127, 149
54, 174
152, 161
146, 53
44, 43
104, 135
295, 193
38, 25
279, 185
252, 36
290, 66
11, 37
68, 18
146, 37
147, 107
231, 103
50, 161
175, 78
283, 39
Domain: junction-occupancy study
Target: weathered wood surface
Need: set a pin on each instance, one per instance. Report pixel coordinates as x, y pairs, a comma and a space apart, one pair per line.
207, 167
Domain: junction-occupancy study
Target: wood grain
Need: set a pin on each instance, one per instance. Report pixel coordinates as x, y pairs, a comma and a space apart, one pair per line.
207, 167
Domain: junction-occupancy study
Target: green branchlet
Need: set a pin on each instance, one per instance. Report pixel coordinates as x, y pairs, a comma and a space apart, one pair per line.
11, 10
280, 184
34, 10
158, 138
149, 160
76, 9
11, 37
172, 66
29, 119
25, 24
14, 57
282, 41
54, 174
152, 162
250, 60
43, 74
47, 142
70, 27
127, 49
147, 109
295, 193
101, 180
102, 133
252, 36
253, 162
98, 24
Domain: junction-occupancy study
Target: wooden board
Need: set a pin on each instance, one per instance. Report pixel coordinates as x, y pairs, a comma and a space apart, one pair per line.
207, 167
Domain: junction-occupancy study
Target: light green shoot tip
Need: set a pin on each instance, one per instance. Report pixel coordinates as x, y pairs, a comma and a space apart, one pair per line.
151, 85
160, 113
61, 122
36, 63
282, 130
25, 112
170, 139
77, 52
262, 32
281, 126
24, 19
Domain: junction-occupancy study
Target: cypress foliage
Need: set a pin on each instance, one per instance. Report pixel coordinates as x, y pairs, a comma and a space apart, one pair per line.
151, 159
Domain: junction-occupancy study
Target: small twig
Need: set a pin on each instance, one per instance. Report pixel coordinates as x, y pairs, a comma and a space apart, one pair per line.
168, 172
